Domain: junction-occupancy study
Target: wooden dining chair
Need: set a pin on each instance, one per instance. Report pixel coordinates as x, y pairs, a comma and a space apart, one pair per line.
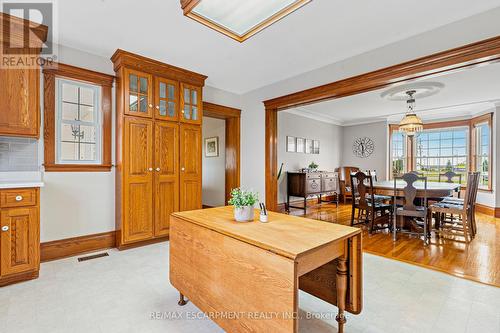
465, 209
449, 177
345, 181
378, 197
372, 212
409, 210
474, 186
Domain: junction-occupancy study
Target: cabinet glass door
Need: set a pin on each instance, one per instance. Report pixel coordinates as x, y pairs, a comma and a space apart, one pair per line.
166, 99
138, 93
191, 104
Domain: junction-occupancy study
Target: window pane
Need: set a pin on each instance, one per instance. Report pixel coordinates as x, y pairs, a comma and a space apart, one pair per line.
171, 91
143, 85
133, 103
143, 104
187, 96
86, 113
194, 97
69, 111
133, 83
78, 133
86, 96
163, 108
187, 113
69, 93
194, 113
163, 90
171, 109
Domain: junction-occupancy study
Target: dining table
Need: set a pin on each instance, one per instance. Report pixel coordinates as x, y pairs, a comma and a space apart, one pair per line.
434, 189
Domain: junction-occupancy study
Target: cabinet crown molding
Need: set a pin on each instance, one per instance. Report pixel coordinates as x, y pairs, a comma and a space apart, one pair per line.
124, 58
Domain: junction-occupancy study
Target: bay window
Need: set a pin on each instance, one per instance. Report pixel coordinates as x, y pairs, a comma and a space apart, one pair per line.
457, 146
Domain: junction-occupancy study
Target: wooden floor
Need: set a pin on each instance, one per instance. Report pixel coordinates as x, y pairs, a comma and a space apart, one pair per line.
478, 261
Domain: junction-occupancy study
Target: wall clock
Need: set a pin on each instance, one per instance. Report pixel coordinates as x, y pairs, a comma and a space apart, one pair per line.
363, 147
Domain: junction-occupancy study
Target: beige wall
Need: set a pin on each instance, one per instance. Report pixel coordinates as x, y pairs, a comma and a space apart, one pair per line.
214, 168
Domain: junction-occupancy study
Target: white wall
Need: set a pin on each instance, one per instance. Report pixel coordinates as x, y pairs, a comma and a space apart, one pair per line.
378, 160
214, 168
329, 135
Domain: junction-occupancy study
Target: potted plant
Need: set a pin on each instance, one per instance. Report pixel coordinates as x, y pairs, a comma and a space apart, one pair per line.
313, 167
243, 202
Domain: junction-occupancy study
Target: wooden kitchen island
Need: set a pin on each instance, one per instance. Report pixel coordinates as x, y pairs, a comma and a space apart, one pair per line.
246, 276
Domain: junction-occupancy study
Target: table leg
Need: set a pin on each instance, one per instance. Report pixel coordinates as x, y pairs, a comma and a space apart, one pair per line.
341, 291
182, 301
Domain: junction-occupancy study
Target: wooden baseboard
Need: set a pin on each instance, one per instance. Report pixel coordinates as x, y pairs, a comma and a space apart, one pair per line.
16, 278
491, 211
206, 206
77, 245
143, 243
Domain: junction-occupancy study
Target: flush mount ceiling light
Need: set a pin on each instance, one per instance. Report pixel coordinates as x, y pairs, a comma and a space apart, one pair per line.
239, 19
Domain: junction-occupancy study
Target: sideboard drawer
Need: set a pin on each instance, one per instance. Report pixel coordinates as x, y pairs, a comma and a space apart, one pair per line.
18, 197
313, 176
329, 185
313, 186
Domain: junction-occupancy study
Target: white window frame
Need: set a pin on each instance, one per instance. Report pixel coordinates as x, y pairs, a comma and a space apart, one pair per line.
97, 123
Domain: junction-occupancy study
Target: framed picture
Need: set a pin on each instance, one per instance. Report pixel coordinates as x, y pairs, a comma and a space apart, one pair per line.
309, 146
212, 147
316, 147
291, 144
301, 145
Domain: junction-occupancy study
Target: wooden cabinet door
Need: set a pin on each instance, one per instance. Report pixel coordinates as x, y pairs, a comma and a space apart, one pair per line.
166, 175
19, 102
166, 99
19, 239
190, 164
191, 104
138, 91
137, 223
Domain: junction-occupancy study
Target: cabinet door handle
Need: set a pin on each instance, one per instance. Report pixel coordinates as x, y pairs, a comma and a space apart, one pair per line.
5, 228
182, 169
157, 107
150, 105
150, 169
19, 198
158, 169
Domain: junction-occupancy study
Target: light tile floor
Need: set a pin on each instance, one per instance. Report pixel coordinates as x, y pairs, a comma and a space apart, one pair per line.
120, 292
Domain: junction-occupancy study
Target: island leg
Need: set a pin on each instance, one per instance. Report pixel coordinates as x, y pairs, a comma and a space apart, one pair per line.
341, 291
182, 301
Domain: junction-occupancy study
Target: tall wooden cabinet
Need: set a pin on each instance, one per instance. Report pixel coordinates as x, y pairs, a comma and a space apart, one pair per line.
158, 146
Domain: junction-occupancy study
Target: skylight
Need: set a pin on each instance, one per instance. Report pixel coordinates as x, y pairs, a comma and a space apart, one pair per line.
239, 19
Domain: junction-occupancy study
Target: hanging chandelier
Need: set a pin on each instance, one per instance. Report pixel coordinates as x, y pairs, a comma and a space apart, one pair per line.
411, 123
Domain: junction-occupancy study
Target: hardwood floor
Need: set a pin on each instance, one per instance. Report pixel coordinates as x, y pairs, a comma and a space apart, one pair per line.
478, 261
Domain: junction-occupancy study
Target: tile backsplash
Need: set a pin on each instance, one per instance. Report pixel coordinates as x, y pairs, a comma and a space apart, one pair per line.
18, 154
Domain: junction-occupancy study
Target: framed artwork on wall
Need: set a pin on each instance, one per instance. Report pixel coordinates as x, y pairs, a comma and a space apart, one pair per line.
291, 144
309, 146
212, 147
316, 147
301, 145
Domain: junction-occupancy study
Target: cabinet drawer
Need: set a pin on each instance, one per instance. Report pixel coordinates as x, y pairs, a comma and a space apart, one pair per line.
18, 197
329, 175
313, 176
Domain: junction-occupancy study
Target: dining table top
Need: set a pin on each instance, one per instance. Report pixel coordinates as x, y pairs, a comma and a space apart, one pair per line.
419, 185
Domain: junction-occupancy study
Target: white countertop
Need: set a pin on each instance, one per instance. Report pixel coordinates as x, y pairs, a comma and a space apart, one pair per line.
19, 184
20, 179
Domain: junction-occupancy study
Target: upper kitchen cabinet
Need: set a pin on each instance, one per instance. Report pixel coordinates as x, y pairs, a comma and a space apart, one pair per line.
20, 77
191, 104
152, 89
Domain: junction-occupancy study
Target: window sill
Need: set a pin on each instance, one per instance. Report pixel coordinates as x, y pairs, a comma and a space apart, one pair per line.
76, 168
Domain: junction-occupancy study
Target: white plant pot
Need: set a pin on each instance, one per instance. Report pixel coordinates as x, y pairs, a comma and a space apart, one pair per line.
244, 214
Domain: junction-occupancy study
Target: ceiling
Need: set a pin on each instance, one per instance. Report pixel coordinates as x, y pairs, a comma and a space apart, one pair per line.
465, 93
318, 34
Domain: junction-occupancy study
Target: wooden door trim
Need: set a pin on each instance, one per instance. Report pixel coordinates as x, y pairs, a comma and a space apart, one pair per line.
232, 116
476, 54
